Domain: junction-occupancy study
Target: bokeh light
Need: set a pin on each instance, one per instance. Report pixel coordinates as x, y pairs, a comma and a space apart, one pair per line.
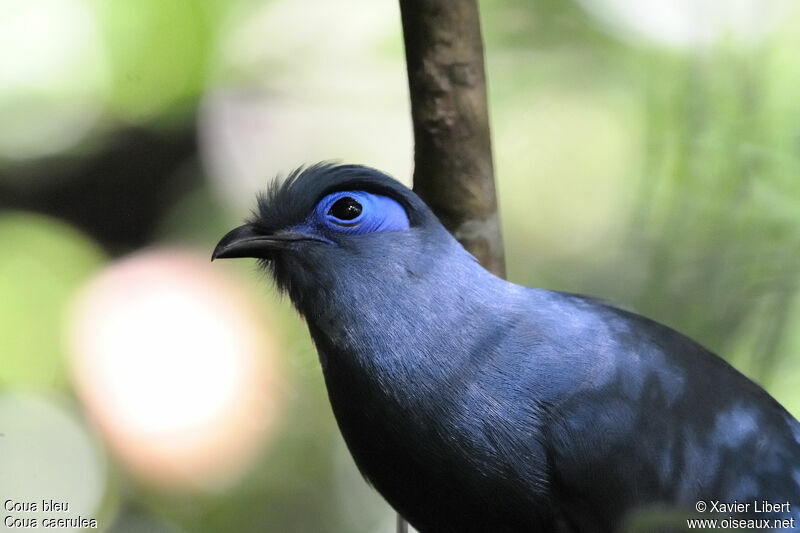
174, 366
47, 454
53, 76
687, 23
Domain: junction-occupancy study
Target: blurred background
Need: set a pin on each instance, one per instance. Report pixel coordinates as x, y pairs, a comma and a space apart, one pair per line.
646, 152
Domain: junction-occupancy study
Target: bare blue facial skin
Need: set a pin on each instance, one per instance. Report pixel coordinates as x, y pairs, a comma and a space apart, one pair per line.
368, 213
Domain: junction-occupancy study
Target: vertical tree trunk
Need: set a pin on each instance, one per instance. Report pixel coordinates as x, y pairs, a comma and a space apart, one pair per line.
453, 170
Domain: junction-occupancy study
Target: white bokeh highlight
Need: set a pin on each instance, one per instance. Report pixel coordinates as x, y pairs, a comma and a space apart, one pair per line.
174, 365
54, 76
689, 23
47, 454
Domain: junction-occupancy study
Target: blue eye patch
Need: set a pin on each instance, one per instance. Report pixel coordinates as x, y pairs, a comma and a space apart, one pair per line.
359, 212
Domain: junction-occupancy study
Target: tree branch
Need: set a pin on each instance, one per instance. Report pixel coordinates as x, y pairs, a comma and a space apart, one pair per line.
453, 170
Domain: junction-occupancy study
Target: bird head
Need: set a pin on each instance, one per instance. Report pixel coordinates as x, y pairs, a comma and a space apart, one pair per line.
336, 231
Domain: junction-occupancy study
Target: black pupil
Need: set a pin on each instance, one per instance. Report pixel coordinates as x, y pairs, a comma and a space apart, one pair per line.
345, 208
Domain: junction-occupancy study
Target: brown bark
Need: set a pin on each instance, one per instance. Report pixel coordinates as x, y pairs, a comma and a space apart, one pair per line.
453, 170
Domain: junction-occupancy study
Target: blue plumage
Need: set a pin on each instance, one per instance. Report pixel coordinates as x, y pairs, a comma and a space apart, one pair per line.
474, 404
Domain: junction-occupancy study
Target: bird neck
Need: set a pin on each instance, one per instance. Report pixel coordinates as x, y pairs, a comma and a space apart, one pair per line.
390, 326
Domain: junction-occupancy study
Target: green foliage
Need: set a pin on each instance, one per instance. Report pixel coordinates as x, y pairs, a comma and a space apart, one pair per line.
43, 263
159, 54
717, 211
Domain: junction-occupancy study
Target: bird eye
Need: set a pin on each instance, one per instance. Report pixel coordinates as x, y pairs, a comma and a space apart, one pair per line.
360, 212
345, 208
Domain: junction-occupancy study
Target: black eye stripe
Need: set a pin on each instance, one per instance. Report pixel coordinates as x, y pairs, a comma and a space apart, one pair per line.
345, 208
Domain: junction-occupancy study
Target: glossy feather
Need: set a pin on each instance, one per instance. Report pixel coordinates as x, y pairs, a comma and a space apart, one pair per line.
474, 404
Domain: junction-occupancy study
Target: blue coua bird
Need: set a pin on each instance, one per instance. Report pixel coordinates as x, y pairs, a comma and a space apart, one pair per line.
474, 404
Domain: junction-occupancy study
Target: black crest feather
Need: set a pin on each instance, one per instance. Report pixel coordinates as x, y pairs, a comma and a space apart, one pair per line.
288, 201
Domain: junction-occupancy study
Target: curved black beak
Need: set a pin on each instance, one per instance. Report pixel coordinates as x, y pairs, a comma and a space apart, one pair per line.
249, 241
